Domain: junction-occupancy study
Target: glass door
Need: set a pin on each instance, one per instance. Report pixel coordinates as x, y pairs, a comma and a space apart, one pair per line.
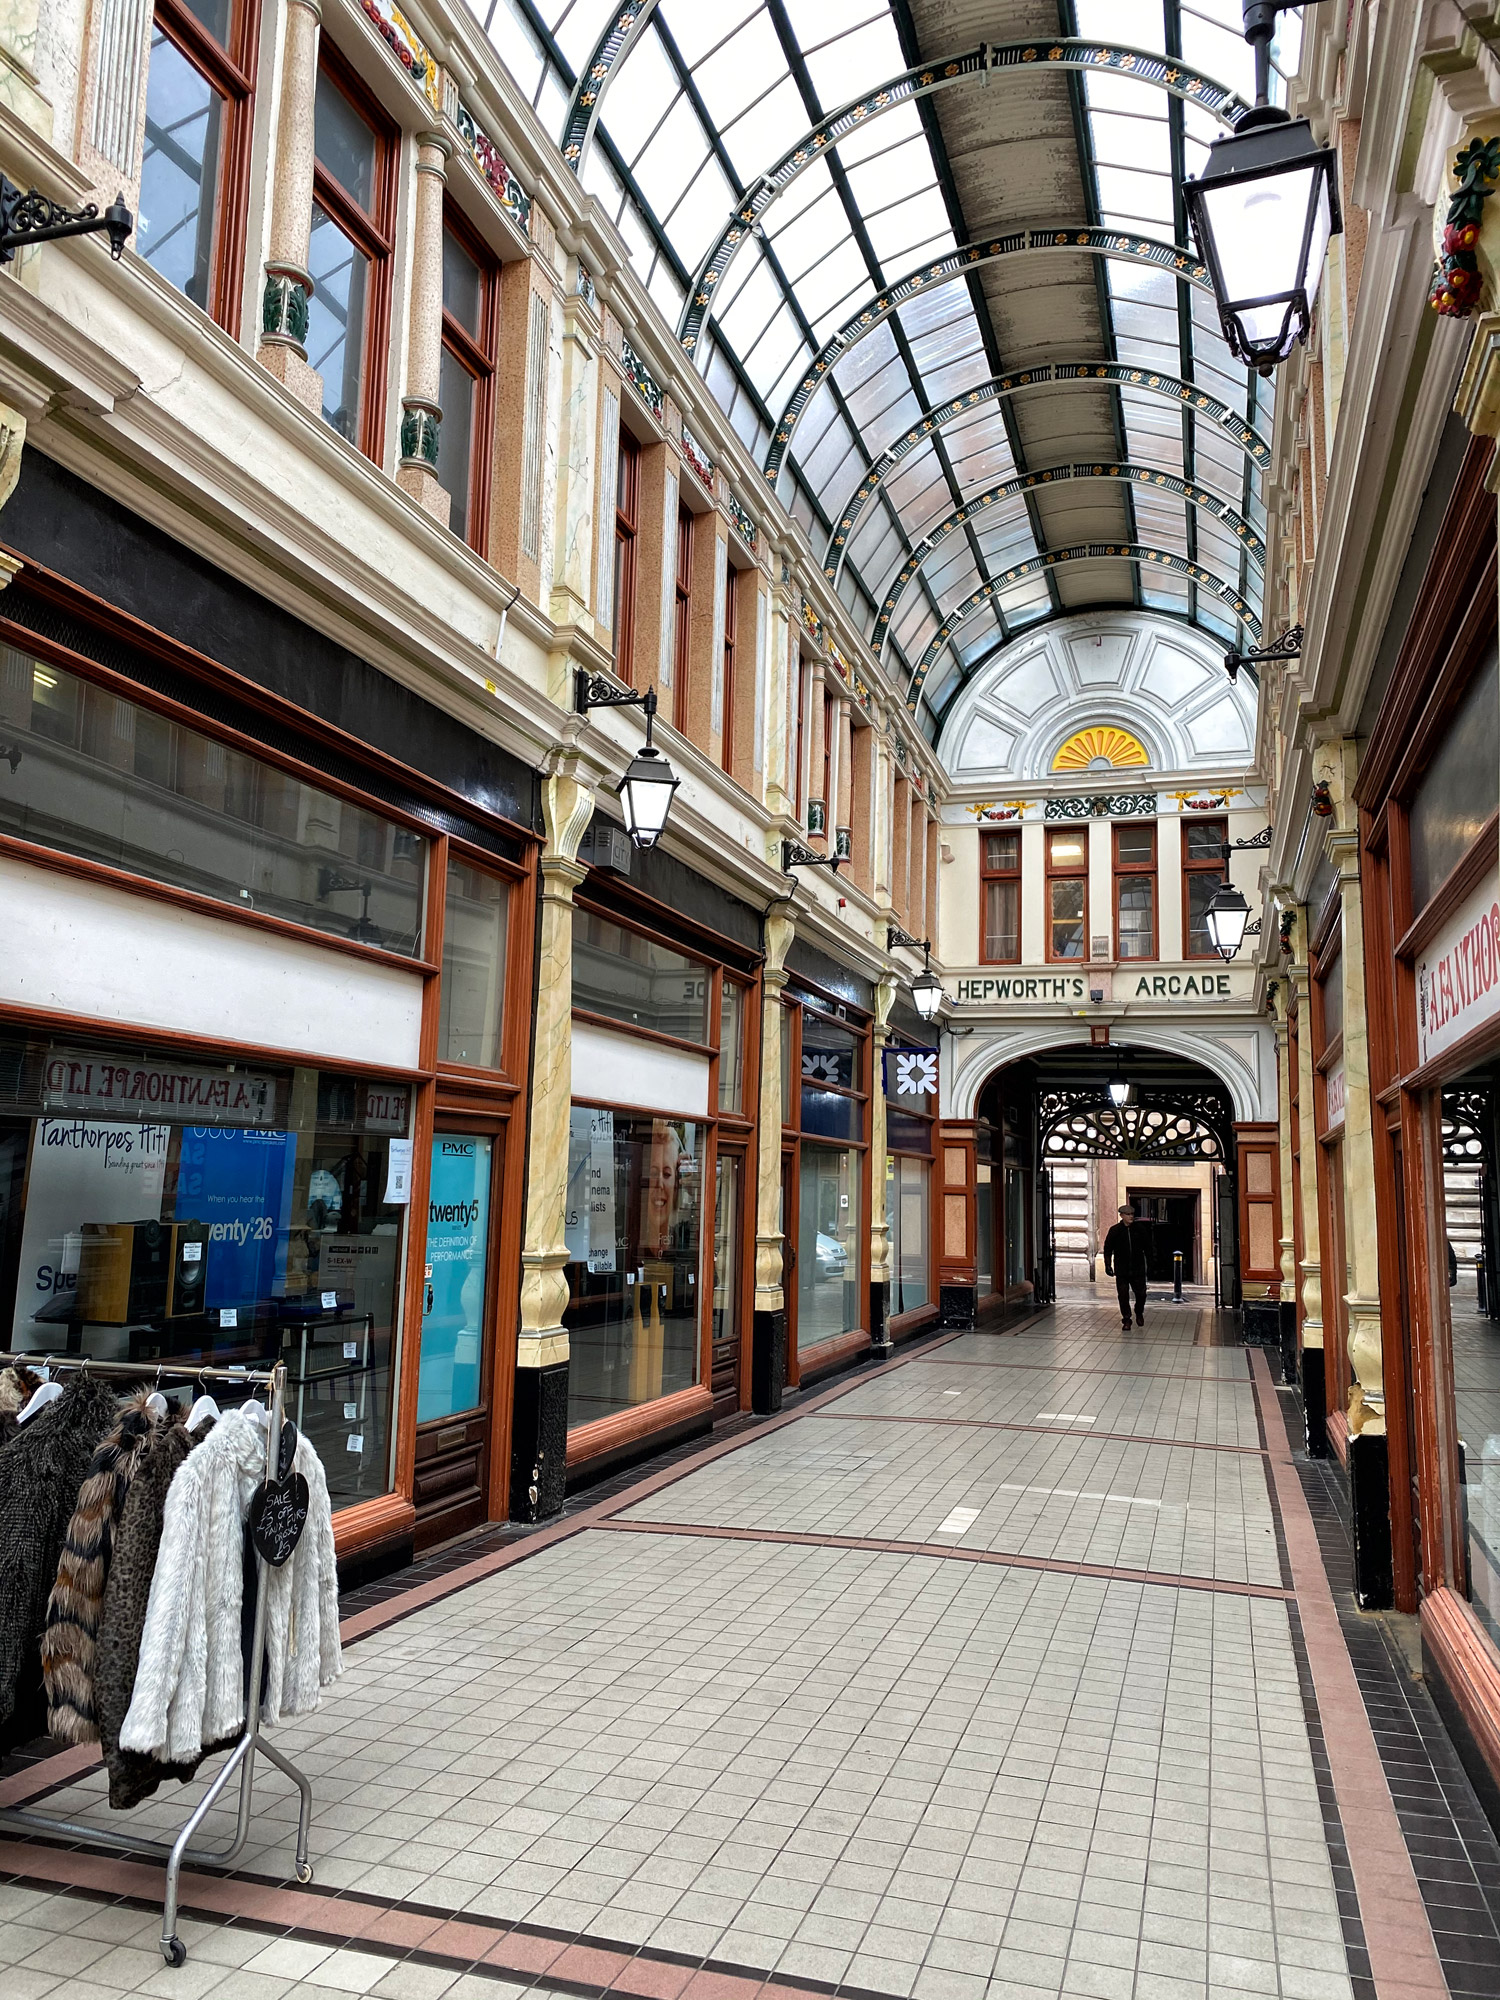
452, 1380
729, 1182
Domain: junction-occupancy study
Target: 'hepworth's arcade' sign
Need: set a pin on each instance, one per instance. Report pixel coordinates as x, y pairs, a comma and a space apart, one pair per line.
1029, 989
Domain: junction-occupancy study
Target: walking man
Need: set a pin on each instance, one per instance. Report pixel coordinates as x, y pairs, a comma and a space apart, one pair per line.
1125, 1249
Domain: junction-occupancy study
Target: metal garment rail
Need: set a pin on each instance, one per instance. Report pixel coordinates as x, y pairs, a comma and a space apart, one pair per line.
242, 1756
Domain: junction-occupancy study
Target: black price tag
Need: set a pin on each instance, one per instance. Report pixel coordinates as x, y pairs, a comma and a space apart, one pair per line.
278, 1509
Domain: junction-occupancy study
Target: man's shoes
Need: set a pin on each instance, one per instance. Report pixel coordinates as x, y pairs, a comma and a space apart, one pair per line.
1140, 1319
1125, 1326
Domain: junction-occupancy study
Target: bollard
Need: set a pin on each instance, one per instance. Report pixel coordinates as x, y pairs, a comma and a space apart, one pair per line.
1177, 1276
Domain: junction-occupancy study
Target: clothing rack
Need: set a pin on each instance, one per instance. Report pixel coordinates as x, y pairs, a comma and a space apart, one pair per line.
242, 1756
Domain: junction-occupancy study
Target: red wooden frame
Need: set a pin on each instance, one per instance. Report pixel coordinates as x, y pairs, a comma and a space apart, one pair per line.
373, 232
988, 873
478, 358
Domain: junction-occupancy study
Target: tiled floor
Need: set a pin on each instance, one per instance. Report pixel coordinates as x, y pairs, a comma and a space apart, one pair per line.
668, 1755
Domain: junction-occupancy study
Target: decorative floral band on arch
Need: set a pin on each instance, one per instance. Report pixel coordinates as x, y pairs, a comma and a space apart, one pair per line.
1047, 374
1133, 552
973, 510
1076, 239
1062, 53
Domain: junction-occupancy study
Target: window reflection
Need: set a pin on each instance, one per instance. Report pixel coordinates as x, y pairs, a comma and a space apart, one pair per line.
179, 171
336, 320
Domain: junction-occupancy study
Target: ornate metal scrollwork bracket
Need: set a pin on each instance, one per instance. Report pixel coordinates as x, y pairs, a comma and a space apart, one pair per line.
29, 217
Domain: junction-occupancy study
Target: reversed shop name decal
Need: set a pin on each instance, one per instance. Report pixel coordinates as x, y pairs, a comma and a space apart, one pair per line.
1458, 982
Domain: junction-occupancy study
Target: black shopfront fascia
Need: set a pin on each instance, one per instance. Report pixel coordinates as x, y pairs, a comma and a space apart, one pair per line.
67, 530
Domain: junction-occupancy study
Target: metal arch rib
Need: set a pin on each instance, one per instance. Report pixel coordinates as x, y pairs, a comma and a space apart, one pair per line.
1062, 53
1047, 374
1135, 552
1077, 240
594, 78
972, 510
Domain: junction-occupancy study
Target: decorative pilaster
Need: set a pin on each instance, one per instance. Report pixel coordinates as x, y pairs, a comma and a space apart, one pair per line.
768, 1349
539, 1438
880, 1221
817, 805
843, 825
1367, 1397
421, 413
289, 286
573, 561
1309, 1271
1287, 1245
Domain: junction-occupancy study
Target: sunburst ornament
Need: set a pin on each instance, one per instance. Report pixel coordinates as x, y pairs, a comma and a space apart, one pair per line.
1099, 748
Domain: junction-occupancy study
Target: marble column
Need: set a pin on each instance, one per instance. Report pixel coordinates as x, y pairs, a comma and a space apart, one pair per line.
880, 1221
819, 809
1309, 1268
780, 783
540, 1434
1287, 1245
768, 1351
421, 410
1367, 1397
289, 285
843, 822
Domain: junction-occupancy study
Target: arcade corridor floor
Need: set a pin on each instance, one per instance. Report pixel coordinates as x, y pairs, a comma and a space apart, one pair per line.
1010, 1670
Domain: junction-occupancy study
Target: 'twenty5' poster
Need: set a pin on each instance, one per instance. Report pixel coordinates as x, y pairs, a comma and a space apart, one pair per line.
239, 1183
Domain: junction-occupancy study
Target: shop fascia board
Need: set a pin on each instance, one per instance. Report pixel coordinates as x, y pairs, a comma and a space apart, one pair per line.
106, 425
1403, 359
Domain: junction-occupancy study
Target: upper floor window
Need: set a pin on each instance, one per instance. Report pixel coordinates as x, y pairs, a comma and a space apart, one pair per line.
1203, 845
1000, 869
1067, 892
1458, 791
1135, 891
627, 524
191, 228
349, 255
466, 383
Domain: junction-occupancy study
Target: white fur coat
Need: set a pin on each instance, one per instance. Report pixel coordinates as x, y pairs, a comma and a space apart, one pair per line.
190, 1680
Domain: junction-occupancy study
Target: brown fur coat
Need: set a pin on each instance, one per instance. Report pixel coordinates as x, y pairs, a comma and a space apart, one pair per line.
77, 1600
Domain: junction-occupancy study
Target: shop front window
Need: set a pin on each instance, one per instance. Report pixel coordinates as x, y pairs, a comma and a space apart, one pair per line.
728, 1171
1458, 791
179, 1208
476, 914
1471, 1226
634, 1228
111, 780
828, 1259
732, 1048
636, 980
458, 1230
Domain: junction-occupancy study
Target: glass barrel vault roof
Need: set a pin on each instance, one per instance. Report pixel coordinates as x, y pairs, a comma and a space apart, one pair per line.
705, 100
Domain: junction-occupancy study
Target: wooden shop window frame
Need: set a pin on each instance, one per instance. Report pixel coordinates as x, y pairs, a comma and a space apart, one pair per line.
1218, 867
799, 996
627, 537
682, 617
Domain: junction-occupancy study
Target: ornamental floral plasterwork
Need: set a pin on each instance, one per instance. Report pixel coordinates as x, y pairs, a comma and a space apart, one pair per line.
498, 177
407, 46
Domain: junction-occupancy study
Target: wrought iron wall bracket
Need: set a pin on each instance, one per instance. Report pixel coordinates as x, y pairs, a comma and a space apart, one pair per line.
29, 217
795, 855
599, 691
1287, 647
894, 936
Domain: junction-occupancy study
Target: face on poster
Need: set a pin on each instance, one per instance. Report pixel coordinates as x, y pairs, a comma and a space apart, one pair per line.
81, 1171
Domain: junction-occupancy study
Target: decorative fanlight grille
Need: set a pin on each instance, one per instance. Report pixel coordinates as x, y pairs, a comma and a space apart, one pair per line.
1466, 1129
1085, 1124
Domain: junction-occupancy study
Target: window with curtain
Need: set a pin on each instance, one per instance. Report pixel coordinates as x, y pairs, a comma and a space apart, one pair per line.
1067, 892
1135, 890
1000, 888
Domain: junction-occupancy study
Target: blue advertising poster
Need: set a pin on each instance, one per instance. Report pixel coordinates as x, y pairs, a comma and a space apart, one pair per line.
458, 1227
239, 1184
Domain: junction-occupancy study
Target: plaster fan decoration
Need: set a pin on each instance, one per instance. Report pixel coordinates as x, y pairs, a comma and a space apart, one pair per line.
1103, 745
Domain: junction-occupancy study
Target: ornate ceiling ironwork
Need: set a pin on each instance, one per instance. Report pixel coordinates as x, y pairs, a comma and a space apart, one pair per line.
1063, 53
1049, 375
1468, 1128
1132, 552
1084, 1124
1103, 805
1140, 475
1075, 239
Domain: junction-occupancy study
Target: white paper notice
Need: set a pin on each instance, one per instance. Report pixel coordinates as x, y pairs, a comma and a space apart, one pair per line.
356, 1443
398, 1172
330, 1301
351, 1350
229, 1315
351, 1411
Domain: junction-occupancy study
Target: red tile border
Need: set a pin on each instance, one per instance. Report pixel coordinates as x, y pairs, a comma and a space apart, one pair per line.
1042, 1430
1167, 1579
1403, 1958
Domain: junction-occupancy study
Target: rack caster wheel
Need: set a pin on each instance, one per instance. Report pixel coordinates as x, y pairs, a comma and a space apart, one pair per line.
304, 1871
174, 1951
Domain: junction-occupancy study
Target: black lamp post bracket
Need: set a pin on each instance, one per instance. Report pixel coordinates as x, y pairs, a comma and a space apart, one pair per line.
29, 217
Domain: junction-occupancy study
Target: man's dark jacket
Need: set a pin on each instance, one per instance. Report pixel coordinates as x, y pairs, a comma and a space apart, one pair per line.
1126, 1247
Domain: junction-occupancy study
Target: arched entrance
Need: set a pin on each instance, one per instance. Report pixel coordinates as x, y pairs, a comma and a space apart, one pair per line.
1057, 1149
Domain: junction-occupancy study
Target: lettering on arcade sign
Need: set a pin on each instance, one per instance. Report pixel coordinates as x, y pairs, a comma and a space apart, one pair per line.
1026, 988
1458, 976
